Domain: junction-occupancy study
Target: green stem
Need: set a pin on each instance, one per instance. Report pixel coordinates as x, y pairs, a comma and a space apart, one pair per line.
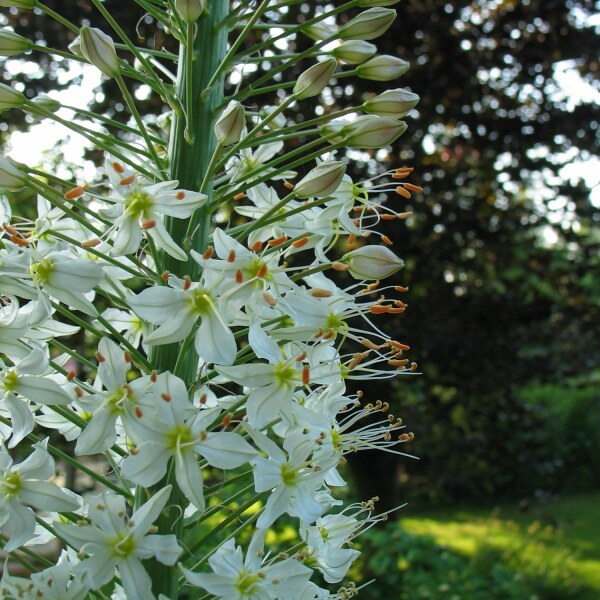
189, 158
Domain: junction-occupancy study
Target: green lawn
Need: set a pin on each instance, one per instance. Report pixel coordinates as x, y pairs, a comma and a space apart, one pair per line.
557, 543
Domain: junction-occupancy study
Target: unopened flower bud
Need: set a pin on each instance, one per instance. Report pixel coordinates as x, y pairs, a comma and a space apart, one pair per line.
99, 49
12, 179
322, 181
368, 25
10, 98
229, 126
391, 103
314, 79
189, 10
354, 52
75, 46
276, 123
382, 68
371, 131
12, 43
372, 262
44, 102
18, 3
319, 31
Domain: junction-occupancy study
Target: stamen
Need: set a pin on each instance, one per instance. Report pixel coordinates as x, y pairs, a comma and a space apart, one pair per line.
180, 195
239, 196
187, 283
208, 253
257, 246
306, 375
127, 180
74, 193
239, 276
138, 412
269, 299
99, 357
339, 266
166, 397
71, 375
301, 242
403, 192
165, 276
231, 256
148, 224
319, 293
118, 167
277, 241
91, 243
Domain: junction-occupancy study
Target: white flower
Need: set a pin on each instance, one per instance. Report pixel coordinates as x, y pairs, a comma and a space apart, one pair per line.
237, 578
67, 279
174, 428
115, 541
289, 477
176, 311
140, 208
24, 483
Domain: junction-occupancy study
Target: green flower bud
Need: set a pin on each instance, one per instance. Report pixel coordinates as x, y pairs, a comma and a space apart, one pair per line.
314, 79
276, 123
368, 25
371, 131
372, 262
319, 31
391, 103
189, 10
12, 179
382, 68
44, 102
12, 43
354, 52
10, 98
99, 49
322, 181
18, 3
229, 126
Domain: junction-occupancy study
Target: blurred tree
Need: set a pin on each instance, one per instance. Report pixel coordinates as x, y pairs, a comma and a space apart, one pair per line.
501, 247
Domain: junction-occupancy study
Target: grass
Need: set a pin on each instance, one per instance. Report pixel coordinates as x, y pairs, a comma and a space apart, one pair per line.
556, 544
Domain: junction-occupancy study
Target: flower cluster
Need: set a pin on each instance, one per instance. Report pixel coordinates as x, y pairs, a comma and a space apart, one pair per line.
211, 373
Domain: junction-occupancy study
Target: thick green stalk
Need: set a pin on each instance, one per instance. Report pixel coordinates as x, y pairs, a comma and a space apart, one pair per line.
189, 156
191, 146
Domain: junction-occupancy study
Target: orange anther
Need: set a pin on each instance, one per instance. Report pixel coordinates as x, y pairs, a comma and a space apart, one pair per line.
386, 240
413, 188
319, 293
400, 288
403, 192
99, 357
378, 309
262, 271
208, 253
76, 192
306, 375
404, 215
339, 266
187, 282
148, 224
400, 303
78, 392
118, 167
278, 241
288, 186
180, 195
398, 362
19, 241
300, 357
388, 217
226, 421
301, 242
269, 299
127, 357
165, 276
369, 344
91, 243
231, 256
138, 412
166, 397
397, 345
257, 246
153, 376
127, 180
203, 398
351, 239
239, 196
239, 276
395, 311
71, 375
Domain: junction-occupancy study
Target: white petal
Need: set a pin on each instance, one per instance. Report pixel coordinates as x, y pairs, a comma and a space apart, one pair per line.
135, 579
157, 304
113, 369
189, 478
19, 527
214, 341
42, 390
145, 515
164, 547
99, 434
147, 465
46, 496
225, 450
